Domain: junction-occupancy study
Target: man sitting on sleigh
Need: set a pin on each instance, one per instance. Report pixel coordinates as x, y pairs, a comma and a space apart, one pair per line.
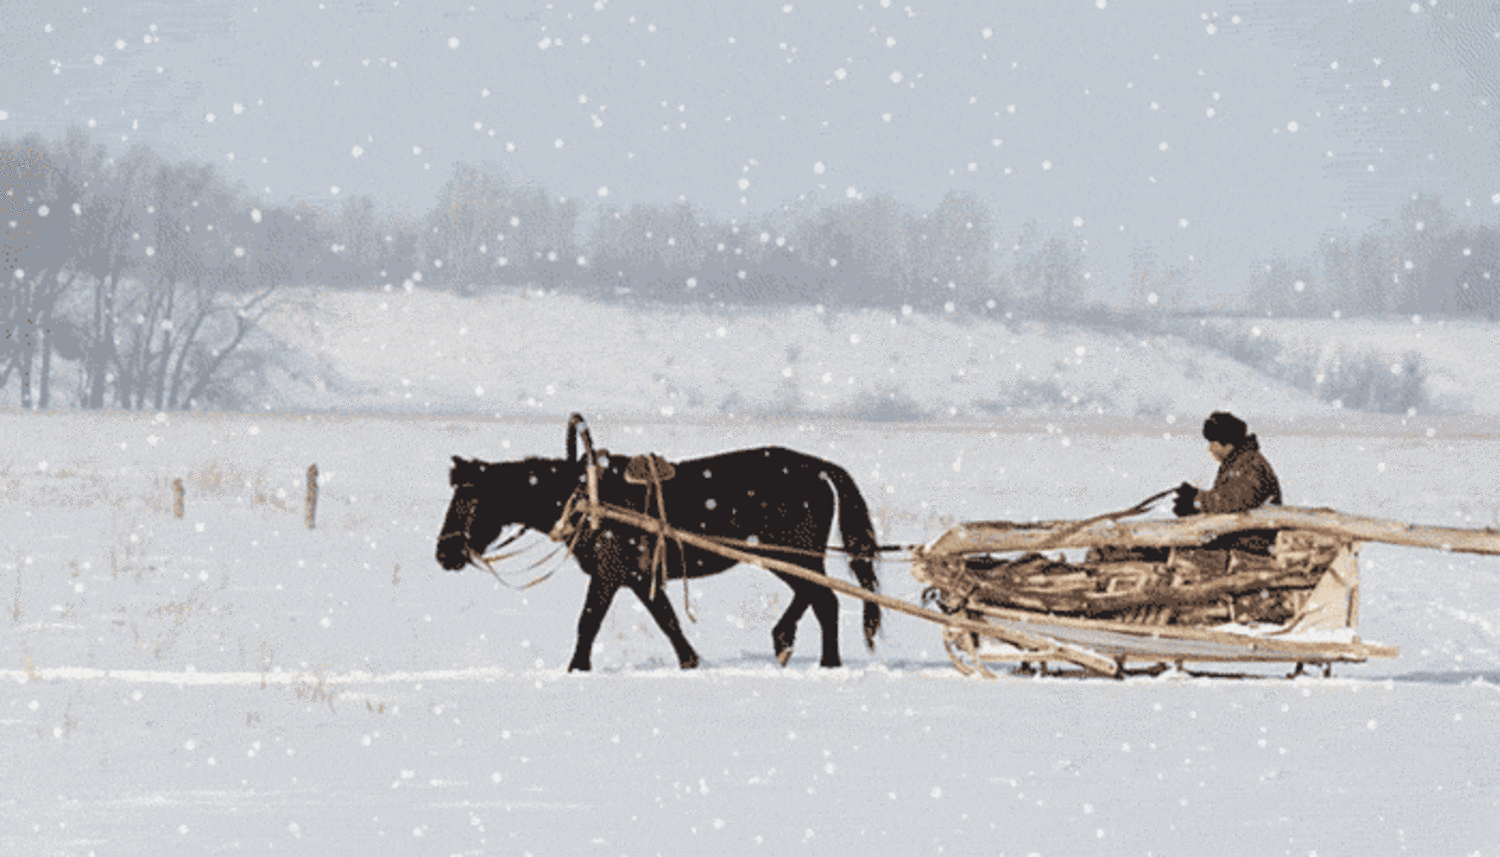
1245, 481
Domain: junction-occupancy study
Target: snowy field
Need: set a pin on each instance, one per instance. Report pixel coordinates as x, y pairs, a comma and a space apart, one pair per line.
232, 682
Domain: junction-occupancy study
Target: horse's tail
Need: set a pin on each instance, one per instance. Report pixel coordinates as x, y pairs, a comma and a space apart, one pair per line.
859, 542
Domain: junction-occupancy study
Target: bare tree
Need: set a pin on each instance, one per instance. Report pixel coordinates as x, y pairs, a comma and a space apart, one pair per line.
108, 248
1048, 271
1425, 285
956, 262
651, 250
1156, 289
1286, 287
202, 289
1377, 271
1478, 280
41, 199
483, 230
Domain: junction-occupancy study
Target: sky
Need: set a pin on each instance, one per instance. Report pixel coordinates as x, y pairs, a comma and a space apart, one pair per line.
1206, 136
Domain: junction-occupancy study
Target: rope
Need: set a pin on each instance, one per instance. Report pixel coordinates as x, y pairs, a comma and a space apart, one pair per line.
659, 550
487, 563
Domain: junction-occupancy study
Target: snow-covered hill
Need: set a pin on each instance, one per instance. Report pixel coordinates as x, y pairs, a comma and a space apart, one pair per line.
526, 352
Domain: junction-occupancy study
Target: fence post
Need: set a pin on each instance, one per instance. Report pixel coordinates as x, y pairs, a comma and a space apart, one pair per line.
177, 504
312, 496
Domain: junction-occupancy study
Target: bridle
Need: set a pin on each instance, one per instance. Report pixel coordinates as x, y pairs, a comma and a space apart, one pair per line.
487, 561
576, 426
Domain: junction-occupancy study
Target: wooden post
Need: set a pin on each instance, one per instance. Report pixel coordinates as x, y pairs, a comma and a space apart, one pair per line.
177, 504
312, 496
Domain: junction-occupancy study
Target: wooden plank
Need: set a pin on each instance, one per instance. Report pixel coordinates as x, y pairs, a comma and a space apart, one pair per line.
1006, 536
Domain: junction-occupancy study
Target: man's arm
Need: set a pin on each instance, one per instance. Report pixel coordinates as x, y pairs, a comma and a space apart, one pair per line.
1245, 485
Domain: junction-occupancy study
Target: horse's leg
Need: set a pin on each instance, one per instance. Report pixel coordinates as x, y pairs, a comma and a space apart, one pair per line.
825, 606
602, 590
666, 618
784, 634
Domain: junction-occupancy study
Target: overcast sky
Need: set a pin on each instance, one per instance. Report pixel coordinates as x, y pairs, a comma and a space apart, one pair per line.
1221, 133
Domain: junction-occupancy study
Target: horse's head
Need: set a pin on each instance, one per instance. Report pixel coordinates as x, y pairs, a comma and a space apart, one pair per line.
488, 496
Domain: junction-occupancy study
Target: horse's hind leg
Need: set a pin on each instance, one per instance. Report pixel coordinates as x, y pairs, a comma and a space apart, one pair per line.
825, 606
666, 619
784, 634
595, 605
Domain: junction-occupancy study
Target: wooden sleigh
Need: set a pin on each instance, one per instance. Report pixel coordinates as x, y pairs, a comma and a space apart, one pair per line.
1165, 592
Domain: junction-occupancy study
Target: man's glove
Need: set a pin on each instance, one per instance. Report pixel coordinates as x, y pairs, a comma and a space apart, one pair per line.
1183, 506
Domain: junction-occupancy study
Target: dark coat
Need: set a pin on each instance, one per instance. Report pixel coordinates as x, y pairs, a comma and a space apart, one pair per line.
1245, 481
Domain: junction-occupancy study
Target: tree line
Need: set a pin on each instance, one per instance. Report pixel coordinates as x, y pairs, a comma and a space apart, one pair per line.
876, 252
1425, 260
149, 276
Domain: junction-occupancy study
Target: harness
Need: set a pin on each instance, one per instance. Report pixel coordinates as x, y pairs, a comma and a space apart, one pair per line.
650, 470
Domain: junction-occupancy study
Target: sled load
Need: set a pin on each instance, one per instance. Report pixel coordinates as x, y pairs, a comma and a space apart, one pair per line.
1167, 592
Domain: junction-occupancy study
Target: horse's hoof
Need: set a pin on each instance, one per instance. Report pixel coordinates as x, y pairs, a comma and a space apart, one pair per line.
831, 664
579, 667
690, 663
783, 656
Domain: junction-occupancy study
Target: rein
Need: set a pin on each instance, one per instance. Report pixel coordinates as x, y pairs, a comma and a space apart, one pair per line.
486, 561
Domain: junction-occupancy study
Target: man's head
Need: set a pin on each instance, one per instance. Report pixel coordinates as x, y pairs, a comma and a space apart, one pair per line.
1223, 431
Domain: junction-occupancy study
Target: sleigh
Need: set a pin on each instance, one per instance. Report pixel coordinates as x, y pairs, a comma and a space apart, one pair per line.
1159, 593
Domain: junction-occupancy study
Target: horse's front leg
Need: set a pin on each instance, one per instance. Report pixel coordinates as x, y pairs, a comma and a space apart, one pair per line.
666, 619
602, 589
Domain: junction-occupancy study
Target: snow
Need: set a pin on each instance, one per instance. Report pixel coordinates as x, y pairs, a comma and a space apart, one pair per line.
254, 685
624, 360
234, 680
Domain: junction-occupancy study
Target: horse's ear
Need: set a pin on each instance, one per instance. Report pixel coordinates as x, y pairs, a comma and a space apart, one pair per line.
462, 471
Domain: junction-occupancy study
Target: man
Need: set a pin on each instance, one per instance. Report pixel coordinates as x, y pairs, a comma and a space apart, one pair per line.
1245, 481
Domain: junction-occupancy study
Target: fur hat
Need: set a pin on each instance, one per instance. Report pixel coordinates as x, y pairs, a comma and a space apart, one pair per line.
1224, 427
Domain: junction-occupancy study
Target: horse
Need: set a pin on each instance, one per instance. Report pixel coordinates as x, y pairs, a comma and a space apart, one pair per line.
776, 502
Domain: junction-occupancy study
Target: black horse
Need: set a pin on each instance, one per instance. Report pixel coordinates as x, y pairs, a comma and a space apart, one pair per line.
770, 497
